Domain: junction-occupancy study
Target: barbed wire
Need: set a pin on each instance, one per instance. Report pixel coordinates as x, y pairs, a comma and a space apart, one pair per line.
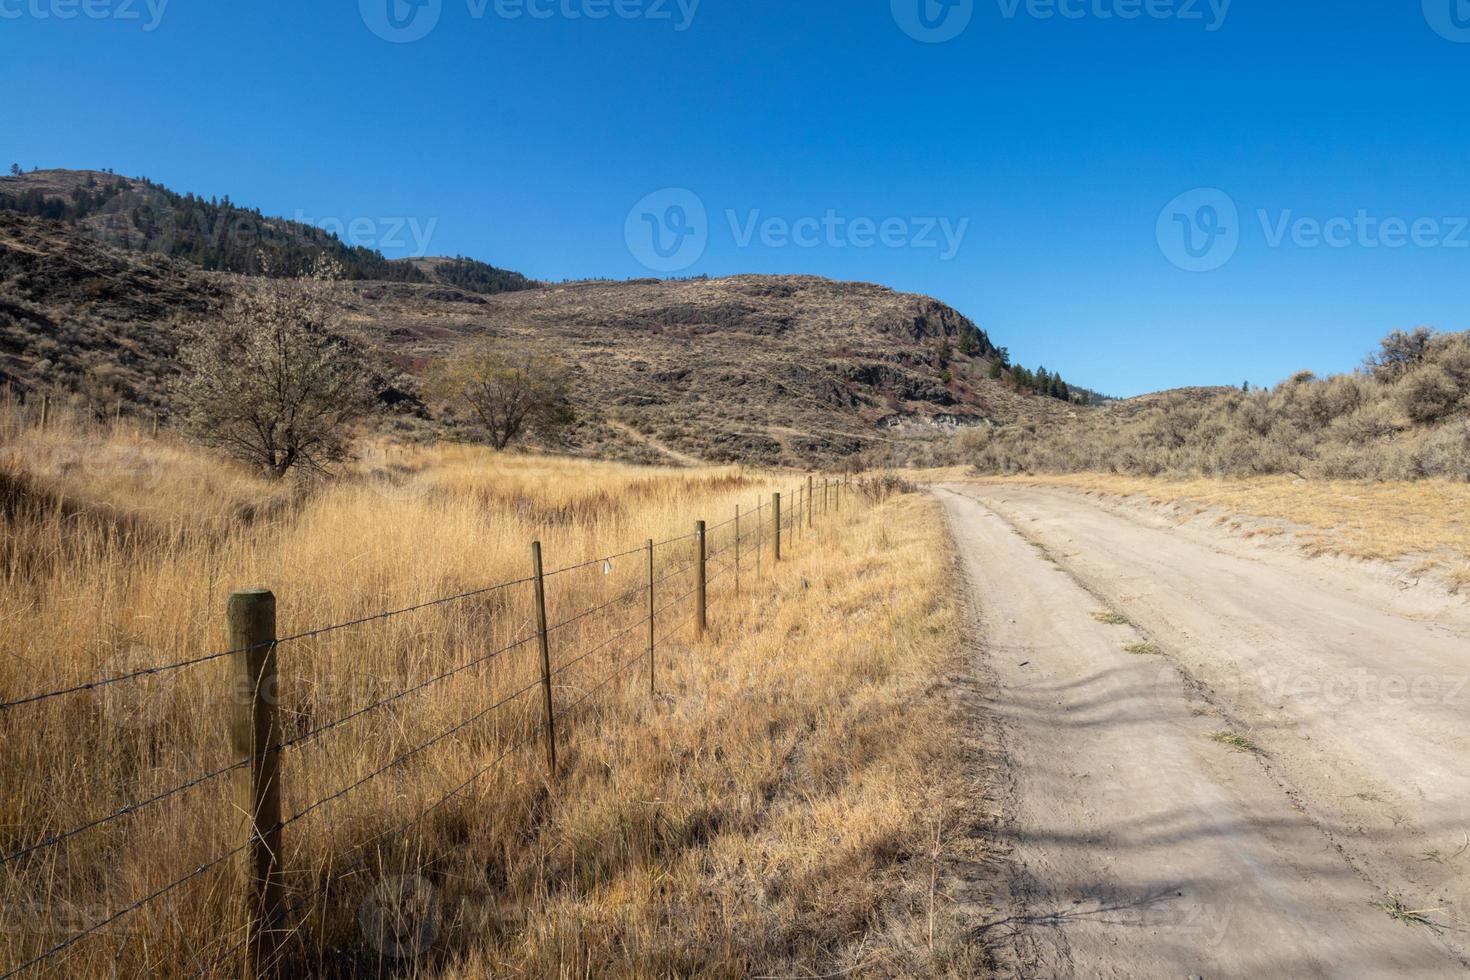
124, 811
339, 722
597, 561
421, 747
132, 809
304, 635
361, 847
624, 597
99, 926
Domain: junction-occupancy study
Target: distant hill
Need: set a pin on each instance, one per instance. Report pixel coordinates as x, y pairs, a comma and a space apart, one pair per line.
766, 370
216, 234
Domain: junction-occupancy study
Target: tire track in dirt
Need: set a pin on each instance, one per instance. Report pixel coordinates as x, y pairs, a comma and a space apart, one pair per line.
1140, 845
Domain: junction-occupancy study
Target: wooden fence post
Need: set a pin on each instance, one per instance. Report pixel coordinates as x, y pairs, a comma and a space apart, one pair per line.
155, 425
256, 734
45, 411
737, 549
701, 621
650, 617
776, 525
760, 533
810, 503
545, 657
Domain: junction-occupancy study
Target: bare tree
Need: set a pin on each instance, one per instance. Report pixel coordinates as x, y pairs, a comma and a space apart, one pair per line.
508, 394
275, 384
1399, 353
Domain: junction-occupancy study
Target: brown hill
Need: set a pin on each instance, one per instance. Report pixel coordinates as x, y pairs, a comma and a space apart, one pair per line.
761, 369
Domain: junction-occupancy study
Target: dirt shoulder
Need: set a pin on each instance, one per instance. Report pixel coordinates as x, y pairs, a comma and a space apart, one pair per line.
1211, 766
1416, 531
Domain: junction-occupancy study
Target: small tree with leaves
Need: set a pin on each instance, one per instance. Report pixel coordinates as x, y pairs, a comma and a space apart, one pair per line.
15, 170
508, 394
275, 383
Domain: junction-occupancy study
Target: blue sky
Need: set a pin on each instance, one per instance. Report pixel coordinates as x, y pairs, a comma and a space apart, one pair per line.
1052, 138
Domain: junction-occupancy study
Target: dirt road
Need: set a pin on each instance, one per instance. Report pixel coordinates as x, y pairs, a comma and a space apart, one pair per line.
1220, 762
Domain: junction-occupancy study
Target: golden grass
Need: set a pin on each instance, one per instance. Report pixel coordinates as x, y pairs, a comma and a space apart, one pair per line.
768, 812
1374, 520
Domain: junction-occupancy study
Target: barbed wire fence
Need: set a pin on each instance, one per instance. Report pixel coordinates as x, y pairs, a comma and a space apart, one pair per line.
259, 743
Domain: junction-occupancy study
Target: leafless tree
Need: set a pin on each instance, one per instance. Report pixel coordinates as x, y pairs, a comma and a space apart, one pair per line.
275, 383
507, 393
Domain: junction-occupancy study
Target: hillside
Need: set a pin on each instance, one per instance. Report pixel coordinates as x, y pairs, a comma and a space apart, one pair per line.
756, 369
1404, 415
140, 215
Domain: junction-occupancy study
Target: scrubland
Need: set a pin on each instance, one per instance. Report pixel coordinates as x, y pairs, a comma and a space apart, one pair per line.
770, 809
1404, 416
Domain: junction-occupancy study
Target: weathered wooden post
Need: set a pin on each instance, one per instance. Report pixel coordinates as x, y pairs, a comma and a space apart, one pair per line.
155, 425
811, 502
650, 617
545, 645
256, 735
701, 621
45, 411
776, 525
737, 549
760, 533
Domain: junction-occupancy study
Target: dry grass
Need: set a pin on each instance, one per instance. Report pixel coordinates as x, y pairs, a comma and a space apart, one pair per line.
771, 812
1359, 519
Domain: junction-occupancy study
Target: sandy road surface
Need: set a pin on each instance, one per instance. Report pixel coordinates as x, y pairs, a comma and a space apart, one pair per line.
1141, 846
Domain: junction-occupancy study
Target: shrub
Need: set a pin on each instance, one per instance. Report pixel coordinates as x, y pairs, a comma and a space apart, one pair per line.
1429, 394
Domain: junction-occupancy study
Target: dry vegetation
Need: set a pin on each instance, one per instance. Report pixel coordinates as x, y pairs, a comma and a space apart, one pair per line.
1420, 520
1405, 416
790, 370
771, 812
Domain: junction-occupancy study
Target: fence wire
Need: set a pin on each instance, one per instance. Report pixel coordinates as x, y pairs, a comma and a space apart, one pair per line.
648, 619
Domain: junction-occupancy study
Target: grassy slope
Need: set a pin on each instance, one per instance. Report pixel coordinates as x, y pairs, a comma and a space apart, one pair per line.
771, 812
